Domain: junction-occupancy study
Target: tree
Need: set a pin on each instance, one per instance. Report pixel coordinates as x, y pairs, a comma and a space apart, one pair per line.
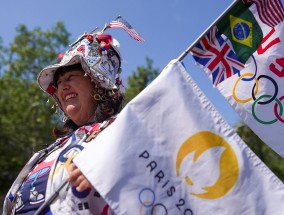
26, 120
2, 51
274, 161
140, 79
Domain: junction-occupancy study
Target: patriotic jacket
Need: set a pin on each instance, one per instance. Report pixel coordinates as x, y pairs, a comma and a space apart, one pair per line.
45, 172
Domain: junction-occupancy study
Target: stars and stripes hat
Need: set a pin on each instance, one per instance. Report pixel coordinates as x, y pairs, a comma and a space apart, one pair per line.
99, 56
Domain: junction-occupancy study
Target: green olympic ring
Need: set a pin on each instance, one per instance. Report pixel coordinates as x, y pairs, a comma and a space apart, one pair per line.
268, 122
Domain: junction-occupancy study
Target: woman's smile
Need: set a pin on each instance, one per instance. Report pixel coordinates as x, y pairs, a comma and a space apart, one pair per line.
70, 96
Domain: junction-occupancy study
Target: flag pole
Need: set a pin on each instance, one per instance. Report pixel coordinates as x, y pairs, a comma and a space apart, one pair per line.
42, 209
184, 54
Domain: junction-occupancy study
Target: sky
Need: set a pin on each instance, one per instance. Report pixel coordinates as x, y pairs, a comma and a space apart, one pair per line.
169, 27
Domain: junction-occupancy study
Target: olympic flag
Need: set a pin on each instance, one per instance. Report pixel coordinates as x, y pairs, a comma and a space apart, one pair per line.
243, 54
170, 152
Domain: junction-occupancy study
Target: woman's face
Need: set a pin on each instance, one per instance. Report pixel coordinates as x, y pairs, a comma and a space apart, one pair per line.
74, 92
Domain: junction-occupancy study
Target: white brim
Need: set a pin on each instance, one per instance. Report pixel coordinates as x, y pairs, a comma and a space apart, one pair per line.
45, 77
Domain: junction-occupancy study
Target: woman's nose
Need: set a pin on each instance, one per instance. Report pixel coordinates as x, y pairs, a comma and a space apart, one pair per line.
64, 85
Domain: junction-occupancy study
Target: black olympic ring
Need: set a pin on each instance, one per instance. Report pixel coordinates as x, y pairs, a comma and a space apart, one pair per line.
276, 90
154, 208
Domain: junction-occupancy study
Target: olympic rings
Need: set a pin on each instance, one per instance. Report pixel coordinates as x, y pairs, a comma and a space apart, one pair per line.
275, 110
266, 122
275, 85
150, 203
257, 99
234, 89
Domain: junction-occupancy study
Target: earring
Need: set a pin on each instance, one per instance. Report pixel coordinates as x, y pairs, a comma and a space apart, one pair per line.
64, 118
97, 97
103, 98
110, 112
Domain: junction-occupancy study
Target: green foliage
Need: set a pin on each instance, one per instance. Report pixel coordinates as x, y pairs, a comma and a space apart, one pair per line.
140, 79
31, 50
26, 120
274, 161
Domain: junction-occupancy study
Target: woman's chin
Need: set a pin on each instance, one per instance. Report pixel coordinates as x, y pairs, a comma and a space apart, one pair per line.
71, 110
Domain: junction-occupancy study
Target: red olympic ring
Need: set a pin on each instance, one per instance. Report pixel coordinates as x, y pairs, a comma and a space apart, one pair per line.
276, 110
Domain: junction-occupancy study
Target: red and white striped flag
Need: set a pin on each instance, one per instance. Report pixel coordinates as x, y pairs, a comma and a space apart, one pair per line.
119, 22
270, 11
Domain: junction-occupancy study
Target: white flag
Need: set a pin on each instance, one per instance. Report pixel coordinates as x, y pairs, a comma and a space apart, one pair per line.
170, 152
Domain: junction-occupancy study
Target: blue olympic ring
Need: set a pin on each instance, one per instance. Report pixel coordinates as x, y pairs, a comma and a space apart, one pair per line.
276, 90
255, 72
148, 203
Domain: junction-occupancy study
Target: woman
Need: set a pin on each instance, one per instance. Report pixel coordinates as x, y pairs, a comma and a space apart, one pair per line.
87, 88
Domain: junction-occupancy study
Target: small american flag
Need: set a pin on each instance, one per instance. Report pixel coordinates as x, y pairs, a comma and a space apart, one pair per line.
216, 56
119, 22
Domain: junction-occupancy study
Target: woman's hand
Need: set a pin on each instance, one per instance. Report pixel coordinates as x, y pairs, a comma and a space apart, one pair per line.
77, 179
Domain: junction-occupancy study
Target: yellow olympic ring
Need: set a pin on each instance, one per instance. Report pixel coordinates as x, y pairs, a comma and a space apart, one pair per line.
68, 162
234, 89
61, 165
142, 206
57, 170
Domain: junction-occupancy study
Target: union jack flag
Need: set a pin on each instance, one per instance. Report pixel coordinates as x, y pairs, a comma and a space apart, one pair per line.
216, 56
119, 22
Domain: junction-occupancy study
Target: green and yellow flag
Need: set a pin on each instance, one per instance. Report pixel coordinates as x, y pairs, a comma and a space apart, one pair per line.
242, 29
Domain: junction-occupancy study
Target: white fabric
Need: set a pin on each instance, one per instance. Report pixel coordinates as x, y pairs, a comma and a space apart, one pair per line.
156, 157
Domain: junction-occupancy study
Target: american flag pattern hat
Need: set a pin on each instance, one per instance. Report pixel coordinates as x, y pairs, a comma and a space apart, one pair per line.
99, 56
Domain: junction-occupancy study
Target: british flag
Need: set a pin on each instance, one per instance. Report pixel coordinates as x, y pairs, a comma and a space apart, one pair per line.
216, 56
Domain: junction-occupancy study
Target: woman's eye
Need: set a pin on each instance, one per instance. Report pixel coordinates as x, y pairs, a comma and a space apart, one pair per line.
72, 76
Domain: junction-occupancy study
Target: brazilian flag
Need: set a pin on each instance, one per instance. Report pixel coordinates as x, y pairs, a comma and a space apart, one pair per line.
242, 29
